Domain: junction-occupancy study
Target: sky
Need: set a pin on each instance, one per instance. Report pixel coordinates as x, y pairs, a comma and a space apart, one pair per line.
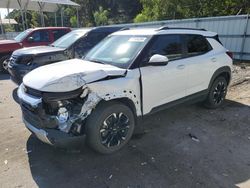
4, 12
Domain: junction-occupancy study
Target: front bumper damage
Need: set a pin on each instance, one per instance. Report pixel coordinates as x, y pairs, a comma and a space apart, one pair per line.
46, 126
53, 137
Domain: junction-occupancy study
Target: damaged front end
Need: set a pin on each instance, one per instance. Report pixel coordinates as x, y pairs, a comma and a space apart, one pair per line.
57, 118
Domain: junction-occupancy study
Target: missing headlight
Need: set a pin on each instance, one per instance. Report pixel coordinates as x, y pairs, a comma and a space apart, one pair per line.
57, 96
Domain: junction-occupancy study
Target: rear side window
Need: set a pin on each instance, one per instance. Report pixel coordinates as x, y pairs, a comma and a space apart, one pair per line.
95, 37
87, 42
196, 45
167, 45
58, 33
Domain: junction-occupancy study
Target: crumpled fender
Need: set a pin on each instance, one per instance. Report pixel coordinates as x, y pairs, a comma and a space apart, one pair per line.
126, 87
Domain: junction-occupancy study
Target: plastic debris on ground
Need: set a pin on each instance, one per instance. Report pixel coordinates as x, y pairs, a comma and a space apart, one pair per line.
193, 137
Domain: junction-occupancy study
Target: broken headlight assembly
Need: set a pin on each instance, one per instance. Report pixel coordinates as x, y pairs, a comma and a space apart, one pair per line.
57, 96
65, 107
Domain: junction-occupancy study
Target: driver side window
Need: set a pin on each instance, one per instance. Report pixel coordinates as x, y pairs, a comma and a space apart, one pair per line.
167, 45
40, 36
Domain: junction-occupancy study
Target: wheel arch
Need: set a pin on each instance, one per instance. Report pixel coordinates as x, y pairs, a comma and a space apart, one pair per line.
126, 101
131, 105
222, 71
5, 54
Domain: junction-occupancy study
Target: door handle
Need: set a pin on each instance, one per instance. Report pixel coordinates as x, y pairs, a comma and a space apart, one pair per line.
180, 66
213, 59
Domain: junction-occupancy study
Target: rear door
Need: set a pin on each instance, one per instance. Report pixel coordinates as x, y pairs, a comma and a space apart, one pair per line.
198, 63
166, 83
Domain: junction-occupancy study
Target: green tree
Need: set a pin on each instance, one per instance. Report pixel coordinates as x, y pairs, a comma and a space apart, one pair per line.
73, 21
158, 10
119, 11
174, 9
101, 16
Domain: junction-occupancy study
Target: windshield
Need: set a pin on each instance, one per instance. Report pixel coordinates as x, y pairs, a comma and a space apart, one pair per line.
22, 35
68, 39
117, 50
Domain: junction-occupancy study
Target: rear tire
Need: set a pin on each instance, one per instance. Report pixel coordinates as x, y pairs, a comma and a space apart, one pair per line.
217, 93
110, 127
4, 64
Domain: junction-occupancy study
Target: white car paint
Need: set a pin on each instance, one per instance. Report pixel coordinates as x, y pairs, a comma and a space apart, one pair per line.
125, 87
69, 75
160, 84
144, 87
201, 68
163, 84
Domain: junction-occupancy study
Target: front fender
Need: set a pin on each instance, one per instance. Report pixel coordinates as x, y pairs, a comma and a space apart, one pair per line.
120, 88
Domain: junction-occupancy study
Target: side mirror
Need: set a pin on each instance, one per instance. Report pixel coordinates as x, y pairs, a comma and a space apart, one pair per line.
158, 60
31, 39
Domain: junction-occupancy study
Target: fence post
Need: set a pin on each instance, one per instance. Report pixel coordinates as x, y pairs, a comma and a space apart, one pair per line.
55, 19
244, 38
77, 17
1, 24
197, 23
62, 15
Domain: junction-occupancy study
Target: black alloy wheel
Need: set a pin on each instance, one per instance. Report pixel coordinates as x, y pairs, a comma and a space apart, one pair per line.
4, 64
217, 93
109, 127
114, 129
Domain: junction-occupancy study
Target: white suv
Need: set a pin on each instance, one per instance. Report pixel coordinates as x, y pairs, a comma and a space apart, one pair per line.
130, 74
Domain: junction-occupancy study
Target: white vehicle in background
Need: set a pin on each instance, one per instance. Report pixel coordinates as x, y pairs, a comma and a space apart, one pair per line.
130, 74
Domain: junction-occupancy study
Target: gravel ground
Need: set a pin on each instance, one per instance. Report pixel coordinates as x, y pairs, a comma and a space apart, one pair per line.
185, 146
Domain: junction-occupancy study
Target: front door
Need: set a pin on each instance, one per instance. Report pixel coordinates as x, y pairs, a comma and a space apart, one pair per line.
38, 38
163, 84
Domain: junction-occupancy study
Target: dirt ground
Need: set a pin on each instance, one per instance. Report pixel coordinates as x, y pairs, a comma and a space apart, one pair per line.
185, 146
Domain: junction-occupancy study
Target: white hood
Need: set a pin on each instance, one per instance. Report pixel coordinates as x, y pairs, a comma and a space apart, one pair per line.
69, 75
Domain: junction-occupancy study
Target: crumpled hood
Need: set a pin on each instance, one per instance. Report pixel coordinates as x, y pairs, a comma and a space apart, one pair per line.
36, 50
69, 75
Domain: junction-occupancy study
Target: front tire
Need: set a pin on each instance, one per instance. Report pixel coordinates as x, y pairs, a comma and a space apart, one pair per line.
217, 93
4, 64
110, 127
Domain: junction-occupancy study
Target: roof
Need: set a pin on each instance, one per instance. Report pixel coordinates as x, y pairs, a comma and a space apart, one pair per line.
157, 31
107, 28
60, 2
82, 30
38, 28
47, 5
30, 5
8, 21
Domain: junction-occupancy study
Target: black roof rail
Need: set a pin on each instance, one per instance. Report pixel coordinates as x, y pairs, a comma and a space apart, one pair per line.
166, 28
